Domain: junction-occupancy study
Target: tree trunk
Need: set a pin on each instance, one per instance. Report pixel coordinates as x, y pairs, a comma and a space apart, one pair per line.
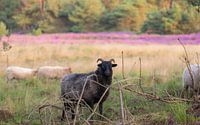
171, 4
42, 3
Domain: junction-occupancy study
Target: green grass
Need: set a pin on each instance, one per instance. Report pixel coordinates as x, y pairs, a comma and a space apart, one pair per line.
23, 97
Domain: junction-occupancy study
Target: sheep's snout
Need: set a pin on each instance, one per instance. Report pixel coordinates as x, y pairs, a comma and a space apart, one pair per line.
108, 73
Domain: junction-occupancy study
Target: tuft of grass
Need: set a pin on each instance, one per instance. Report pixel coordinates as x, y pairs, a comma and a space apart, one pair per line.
179, 112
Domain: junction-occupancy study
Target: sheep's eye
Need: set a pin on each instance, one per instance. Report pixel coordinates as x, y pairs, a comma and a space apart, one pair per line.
104, 68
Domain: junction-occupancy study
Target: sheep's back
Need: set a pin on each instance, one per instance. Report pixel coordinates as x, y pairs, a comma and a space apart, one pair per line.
187, 80
72, 86
19, 72
72, 83
53, 72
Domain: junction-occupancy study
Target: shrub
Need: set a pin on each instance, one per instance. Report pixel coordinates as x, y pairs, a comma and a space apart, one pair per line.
3, 30
172, 21
37, 32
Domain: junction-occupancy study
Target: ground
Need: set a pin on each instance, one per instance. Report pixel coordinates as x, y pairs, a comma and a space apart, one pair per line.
161, 69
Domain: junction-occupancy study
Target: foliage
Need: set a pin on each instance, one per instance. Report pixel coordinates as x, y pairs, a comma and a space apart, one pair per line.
127, 16
172, 21
22, 21
3, 30
151, 16
110, 19
194, 2
8, 8
83, 14
37, 32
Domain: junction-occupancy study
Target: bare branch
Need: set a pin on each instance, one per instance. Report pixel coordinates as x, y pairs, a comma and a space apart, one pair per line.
121, 104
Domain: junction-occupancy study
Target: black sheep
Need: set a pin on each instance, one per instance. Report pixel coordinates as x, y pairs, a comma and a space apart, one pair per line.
95, 82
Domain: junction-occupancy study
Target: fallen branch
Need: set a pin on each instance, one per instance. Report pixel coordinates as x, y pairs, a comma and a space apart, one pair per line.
158, 98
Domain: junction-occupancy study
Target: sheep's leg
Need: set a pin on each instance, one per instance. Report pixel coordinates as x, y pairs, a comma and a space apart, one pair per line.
66, 107
73, 113
101, 109
186, 92
63, 112
91, 104
63, 115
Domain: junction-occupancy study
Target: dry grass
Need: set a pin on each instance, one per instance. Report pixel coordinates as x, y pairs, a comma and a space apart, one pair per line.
159, 60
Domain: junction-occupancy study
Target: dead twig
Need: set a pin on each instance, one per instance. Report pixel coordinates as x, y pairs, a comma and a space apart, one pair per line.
49, 105
121, 104
97, 113
93, 112
80, 98
123, 65
140, 77
187, 62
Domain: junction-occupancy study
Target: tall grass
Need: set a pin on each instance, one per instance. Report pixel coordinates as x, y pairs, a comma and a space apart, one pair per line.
161, 68
160, 61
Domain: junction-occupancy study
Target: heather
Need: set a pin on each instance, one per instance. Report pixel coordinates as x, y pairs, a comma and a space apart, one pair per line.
104, 37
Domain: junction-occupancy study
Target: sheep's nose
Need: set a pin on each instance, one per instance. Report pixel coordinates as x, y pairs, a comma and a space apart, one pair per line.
107, 73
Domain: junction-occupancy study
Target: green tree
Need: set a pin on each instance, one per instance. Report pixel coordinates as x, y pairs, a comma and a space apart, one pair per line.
172, 21
111, 4
23, 21
53, 7
3, 29
32, 17
109, 21
195, 3
153, 24
83, 15
8, 8
128, 16
190, 21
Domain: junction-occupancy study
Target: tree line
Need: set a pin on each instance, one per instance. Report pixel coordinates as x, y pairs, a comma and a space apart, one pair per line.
138, 16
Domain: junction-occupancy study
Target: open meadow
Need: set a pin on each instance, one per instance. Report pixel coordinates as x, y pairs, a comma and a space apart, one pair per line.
161, 70
99, 62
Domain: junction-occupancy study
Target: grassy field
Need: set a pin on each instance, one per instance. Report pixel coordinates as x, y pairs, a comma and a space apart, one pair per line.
162, 68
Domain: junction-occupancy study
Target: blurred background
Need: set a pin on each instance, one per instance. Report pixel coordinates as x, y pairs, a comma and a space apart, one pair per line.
137, 16
75, 33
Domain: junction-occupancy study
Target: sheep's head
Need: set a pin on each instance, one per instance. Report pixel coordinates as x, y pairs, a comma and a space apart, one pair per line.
67, 70
105, 67
35, 71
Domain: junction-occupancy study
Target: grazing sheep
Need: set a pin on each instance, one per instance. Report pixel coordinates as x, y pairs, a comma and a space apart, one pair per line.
95, 82
53, 72
187, 79
15, 72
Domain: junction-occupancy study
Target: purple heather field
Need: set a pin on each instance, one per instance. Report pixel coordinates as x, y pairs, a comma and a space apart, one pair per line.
105, 37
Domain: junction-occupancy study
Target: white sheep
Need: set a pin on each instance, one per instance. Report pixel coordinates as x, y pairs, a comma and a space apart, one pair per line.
53, 72
187, 78
15, 72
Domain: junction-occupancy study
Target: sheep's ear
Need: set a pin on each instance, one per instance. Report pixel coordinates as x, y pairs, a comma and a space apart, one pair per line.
99, 65
114, 65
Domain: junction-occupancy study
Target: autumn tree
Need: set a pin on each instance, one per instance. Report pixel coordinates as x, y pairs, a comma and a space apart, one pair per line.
8, 8
83, 14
